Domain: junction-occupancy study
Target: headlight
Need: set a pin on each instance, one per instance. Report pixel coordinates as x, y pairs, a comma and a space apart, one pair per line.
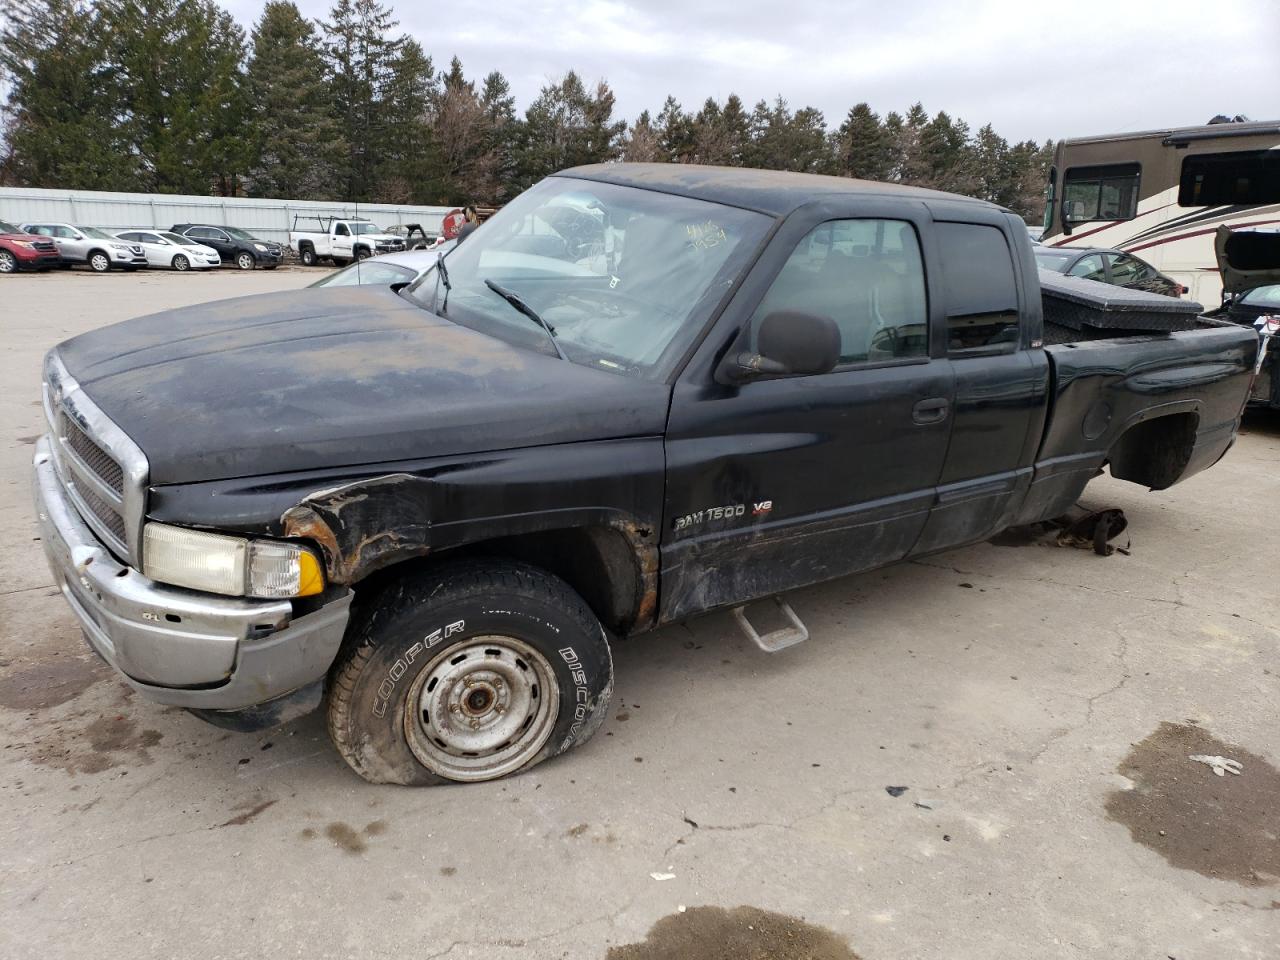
119, 246
24, 243
234, 566
260, 246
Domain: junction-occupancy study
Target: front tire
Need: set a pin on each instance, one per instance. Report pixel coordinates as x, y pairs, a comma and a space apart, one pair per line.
8, 262
99, 262
308, 256
181, 263
246, 261
362, 253
466, 674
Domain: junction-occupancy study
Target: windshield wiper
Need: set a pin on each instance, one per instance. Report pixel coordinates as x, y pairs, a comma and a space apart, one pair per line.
442, 276
515, 300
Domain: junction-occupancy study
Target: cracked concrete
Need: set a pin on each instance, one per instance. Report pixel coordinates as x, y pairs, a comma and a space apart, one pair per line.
1005, 709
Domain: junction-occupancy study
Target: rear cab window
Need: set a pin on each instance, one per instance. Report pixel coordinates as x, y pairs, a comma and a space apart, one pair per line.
979, 289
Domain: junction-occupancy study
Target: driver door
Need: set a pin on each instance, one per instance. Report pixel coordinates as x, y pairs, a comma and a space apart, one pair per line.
784, 481
343, 243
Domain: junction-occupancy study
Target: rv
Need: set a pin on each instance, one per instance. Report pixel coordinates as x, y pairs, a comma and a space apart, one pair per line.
1164, 193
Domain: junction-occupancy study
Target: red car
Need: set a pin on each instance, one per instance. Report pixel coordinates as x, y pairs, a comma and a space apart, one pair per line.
20, 250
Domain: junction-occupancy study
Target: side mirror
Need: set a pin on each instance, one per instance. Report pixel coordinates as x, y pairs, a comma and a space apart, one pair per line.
790, 343
1070, 214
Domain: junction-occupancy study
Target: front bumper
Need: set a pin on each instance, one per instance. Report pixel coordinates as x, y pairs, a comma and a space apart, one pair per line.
176, 646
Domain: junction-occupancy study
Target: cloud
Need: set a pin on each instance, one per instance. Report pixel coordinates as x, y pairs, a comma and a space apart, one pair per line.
1033, 71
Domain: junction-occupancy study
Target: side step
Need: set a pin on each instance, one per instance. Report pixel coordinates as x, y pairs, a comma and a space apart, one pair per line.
774, 640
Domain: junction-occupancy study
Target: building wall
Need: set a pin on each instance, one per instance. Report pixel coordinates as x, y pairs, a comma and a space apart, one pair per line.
267, 219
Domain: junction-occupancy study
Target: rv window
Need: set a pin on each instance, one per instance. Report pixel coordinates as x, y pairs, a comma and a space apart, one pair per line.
1101, 193
1220, 179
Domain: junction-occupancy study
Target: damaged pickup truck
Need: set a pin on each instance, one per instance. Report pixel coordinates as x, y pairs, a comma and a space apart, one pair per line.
640, 393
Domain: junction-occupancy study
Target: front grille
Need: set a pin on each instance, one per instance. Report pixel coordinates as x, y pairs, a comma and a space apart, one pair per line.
103, 470
105, 513
93, 456
44, 246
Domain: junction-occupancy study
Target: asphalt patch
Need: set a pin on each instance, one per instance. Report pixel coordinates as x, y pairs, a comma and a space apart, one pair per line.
743, 933
1221, 827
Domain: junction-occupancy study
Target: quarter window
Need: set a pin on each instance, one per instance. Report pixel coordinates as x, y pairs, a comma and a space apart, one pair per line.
867, 276
1090, 267
1126, 269
981, 295
1101, 193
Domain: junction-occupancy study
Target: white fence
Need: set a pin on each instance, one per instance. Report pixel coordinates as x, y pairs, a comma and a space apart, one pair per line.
268, 219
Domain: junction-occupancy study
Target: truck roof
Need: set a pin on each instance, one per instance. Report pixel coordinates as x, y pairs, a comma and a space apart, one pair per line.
772, 192
1175, 135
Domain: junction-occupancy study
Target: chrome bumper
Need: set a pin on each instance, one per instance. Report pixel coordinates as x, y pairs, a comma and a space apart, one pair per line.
178, 646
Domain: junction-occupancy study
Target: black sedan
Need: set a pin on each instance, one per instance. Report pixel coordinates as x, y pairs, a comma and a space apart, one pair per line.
235, 246
1108, 266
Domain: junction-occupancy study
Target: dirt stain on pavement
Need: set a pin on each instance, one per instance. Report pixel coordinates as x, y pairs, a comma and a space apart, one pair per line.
743, 933
242, 818
104, 743
346, 837
47, 685
1222, 827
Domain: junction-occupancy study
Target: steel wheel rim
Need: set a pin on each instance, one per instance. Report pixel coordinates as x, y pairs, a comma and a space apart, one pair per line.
100, 263
481, 709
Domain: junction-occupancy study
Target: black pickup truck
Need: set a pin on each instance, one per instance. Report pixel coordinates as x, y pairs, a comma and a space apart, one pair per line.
639, 393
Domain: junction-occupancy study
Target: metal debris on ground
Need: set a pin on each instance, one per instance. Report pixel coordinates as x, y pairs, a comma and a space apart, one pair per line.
1095, 531
1219, 765
663, 876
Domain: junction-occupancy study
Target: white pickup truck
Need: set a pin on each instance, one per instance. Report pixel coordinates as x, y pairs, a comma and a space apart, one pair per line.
339, 240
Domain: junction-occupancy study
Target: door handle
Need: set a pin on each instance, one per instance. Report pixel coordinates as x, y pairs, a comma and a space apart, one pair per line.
933, 410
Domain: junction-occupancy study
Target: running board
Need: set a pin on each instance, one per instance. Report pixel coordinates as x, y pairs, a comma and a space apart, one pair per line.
774, 640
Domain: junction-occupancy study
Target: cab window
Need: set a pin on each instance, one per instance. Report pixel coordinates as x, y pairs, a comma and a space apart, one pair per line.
1101, 193
981, 294
342, 231
867, 276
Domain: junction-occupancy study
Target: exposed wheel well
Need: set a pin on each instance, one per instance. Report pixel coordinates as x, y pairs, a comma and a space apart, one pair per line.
597, 561
1155, 452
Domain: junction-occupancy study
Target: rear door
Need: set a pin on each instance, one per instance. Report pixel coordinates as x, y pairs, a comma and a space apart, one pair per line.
785, 481
991, 300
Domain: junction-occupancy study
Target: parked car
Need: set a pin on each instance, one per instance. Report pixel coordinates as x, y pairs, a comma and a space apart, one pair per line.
431, 509
386, 270
1249, 263
414, 235
20, 250
234, 245
1107, 266
172, 250
339, 241
97, 248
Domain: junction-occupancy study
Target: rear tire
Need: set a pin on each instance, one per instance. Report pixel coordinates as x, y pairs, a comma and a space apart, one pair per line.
246, 261
181, 263
99, 262
8, 262
468, 673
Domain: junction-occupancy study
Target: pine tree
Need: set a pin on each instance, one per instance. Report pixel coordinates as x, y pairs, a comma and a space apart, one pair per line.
178, 97
642, 143
862, 146
297, 143
361, 50
60, 131
406, 144
675, 132
502, 136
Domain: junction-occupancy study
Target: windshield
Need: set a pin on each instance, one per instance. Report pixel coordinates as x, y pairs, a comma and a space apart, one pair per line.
95, 233
180, 240
361, 228
367, 273
238, 234
624, 277
8, 228
1053, 259
1268, 296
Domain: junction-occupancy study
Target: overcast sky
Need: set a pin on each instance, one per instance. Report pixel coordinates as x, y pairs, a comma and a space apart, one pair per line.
1034, 70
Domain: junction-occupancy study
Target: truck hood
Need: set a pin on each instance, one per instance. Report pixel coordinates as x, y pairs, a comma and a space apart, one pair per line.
1247, 258
335, 377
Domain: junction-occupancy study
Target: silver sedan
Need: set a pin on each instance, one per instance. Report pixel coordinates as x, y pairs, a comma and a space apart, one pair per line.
165, 249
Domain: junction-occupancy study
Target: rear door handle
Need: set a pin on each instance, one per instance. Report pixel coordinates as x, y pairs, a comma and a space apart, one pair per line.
933, 410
